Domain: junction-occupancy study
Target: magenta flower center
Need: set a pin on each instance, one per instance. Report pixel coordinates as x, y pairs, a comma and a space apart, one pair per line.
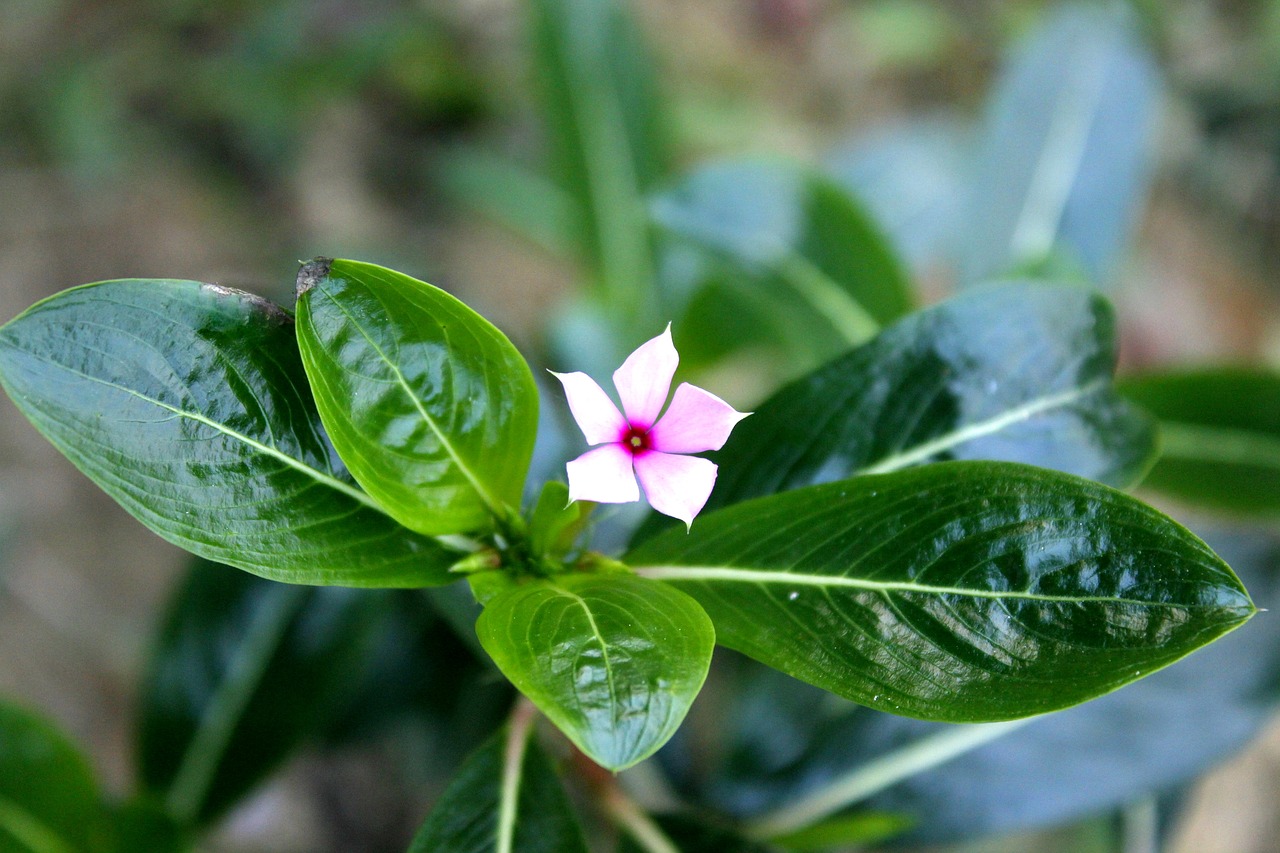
635, 439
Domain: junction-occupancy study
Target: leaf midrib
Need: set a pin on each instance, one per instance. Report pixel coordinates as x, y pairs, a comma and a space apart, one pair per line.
726, 574
297, 464
595, 631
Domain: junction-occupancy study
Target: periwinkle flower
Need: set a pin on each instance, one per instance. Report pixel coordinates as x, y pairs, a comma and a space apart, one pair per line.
642, 444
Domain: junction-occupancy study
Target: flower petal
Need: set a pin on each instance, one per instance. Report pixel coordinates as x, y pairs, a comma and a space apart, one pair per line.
644, 380
603, 475
696, 420
677, 486
597, 416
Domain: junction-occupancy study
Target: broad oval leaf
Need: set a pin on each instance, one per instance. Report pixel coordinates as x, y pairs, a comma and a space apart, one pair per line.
245, 671
432, 408
1219, 435
1017, 372
959, 592
614, 660
506, 798
49, 799
1065, 157
187, 403
796, 241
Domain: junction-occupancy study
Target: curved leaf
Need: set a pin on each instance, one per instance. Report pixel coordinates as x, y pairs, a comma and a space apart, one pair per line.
505, 799
245, 670
613, 660
187, 403
1066, 154
795, 239
48, 796
1219, 435
961, 592
431, 406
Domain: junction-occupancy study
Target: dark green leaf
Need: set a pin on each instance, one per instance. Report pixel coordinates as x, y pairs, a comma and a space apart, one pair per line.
805, 254
244, 672
788, 741
859, 828
141, 825
1219, 435
433, 409
607, 140
505, 798
48, 796
187, 403
1066, 154
1019, 372
694, 835
960, 592
612, 659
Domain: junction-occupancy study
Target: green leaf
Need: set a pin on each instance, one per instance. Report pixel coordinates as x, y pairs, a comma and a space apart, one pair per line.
804, 253
243, 673
431, 406
556, 521
505, 799
142, 825
859, 828
960, 592
1219, 435
1065, 158
606, 136
614, 660
49, 800
187, 403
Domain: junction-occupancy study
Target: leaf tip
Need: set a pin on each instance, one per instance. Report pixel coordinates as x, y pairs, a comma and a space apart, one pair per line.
311, 273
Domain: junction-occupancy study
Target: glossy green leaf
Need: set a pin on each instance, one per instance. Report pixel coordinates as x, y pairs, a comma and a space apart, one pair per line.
1219, 436
960, 592
432, 408
244, 672
49, 800
806, 256
1018, 372
612, 659
1065, 156
187, 403
505, 799
606, 136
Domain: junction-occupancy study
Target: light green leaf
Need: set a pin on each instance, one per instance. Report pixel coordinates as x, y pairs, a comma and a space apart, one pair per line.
187, 403
1219, 435
48, 796
432, 408
960, 592
505, 799
612, 659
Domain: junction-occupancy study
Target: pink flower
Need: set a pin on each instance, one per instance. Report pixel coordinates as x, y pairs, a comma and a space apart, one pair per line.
642, 444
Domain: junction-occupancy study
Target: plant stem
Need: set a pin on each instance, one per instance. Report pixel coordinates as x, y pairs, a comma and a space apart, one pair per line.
635, 821
518, 730
878, 774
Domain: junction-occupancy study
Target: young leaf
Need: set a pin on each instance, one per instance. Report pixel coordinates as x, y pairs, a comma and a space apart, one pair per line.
1064, 161
960, 592
49, 800
1219, 436
187, 403
614, 660
245, 670
607, 140
505, 799
796, 239
431, 406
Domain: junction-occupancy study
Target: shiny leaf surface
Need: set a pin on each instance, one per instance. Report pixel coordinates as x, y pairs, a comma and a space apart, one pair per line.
433, 409
1219, 436
506, 797
796, 240
960, 592
1065, 157
244, 672
187, 403
48, 796
612, 659
790, 741
1018, 372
